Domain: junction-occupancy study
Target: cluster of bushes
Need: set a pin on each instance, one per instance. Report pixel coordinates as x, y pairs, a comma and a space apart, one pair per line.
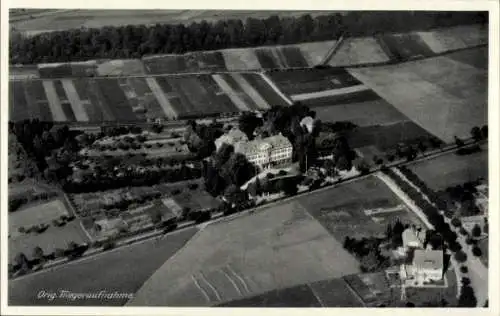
464, 151
367, 250
467, 297
133, 41
270, 185
15, 202
37, 229
107, 180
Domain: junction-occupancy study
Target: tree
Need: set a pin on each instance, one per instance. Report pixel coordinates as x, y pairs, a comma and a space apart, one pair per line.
476, 133
486, 226
464, 269
459, 142
476, 251
467, 297
288, 186
476, 231
248, 122
38, 254
460, 256
456, 222
484, 131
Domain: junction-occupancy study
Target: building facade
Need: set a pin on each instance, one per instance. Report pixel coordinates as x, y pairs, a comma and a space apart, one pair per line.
267, 152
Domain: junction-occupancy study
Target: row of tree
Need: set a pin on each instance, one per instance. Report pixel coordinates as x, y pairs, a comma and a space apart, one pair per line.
134, 41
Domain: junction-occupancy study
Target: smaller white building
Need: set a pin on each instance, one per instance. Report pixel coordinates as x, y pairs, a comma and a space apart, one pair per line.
232, 137
426, 266
413, 238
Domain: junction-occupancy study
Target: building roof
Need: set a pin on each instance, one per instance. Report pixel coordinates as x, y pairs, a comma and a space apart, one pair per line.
257, 145
428, 259
409, 235
231, 137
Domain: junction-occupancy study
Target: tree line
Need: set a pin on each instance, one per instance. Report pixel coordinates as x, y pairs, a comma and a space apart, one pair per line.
135, 41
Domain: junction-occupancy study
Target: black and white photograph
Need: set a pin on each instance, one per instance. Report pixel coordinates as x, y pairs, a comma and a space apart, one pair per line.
247, 158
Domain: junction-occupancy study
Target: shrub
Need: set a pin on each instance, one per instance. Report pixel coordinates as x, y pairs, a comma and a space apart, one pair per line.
465, 281
460, 256
476, 251
464, 269
107, 245
463, 231
456, 222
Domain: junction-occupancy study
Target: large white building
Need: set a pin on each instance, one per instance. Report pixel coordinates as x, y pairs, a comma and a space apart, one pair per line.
267, 152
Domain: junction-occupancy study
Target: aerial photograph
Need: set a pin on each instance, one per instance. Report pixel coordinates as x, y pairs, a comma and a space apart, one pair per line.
224, 158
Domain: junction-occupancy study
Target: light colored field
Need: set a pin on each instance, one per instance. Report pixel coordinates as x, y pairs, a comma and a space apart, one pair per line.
52, 238
276, 248
71, 19
54, 102
121, 67
445, 97
459, 37
36, 214
160, 96
233, 96
77, 105
328, 93
449, 170
250, 91
353, 51
368, 113
240, 59
315, 52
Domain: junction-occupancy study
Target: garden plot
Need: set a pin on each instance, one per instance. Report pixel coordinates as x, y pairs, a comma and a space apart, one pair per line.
164, 101
242, 257
121, 67
112, 94
372, 288
240, 59
451, 169
341, 210
54, 101
454, 38
63, 100
145, 97
355, 51
90, 100
77, 105
228, 86
272, 95
38, 104
445, 97
23, 72
18, 103
165, 64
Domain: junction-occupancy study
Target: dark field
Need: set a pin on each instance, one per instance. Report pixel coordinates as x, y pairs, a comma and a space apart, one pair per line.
477, 57
123, 270
404, 46
264, 90
335, 293
298, 296
307, 80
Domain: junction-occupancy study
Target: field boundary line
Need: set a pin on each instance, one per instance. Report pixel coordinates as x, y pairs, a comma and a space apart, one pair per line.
333, 50
53, 100
239, 278
74, 100
320, 301
200, 288
232, 282
329, 93
251, 91
354, 292
275, 88
233, 96
161, 97
202, 276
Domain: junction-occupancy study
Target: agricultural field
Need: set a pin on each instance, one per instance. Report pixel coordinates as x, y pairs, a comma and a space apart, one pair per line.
232, 259
356, 51
305, 81
23, 72
68, 70
121, 67
444, 96
207, 61
127, 268
341, 210
71, 19
451, 169
455, 38
36, 214
402, 47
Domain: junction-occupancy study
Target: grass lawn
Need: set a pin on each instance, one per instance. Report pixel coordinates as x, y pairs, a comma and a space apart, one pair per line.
451, 169
52, 238
372, 288
123, 270
38, 213
275, 248
341, 209
445, 97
